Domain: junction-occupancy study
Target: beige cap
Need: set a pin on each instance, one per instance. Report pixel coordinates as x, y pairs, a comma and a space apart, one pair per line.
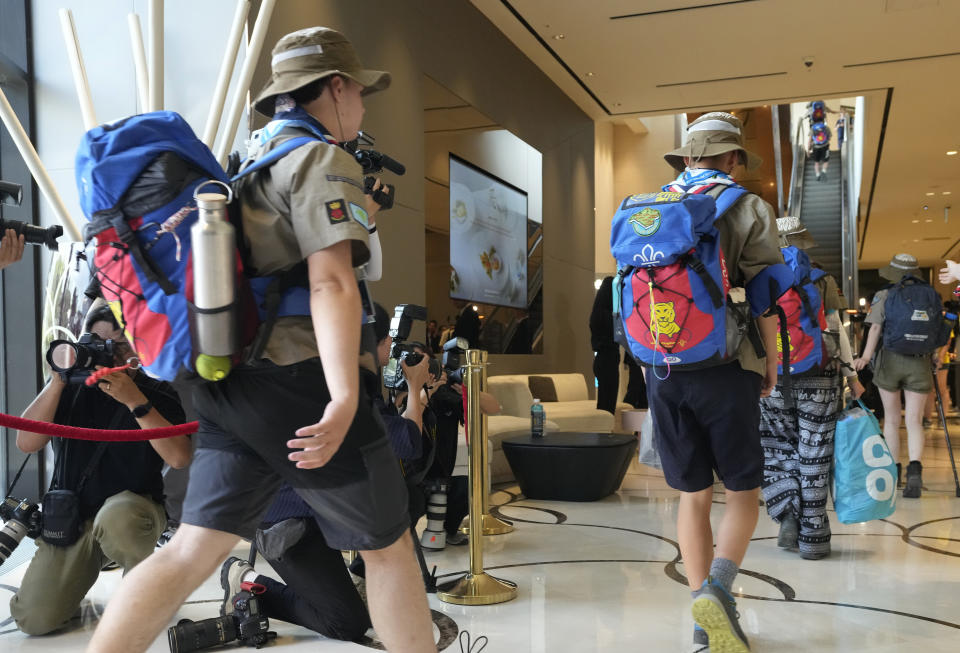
711, 134
793, 232
310, 54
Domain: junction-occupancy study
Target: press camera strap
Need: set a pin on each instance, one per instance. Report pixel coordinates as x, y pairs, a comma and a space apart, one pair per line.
17, 477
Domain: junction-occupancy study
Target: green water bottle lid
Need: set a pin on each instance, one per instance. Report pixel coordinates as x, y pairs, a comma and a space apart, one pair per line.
213, 368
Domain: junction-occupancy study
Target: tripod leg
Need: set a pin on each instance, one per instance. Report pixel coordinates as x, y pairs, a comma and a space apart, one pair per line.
946, 433
429, 579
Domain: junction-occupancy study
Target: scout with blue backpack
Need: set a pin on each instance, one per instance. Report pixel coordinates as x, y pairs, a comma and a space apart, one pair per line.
138, 180
673, 302
803, 321
912, 322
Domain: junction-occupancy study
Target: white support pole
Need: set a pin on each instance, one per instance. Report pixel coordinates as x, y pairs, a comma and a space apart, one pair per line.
33, 162
80, 80
155, 25
226, 71
246, 76
139, 62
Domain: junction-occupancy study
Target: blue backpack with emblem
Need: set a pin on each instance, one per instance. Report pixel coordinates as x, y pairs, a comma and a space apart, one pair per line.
136, 179
671, 297
912, 318
803, 319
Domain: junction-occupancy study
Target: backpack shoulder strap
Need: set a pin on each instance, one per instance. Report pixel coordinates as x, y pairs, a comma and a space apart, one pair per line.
727, 197
275, 155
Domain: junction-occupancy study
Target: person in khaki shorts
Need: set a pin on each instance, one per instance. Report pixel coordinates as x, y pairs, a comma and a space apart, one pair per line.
894, 372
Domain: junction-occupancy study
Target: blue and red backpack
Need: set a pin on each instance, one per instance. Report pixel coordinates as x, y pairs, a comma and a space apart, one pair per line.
803, 320
671, 294
818, 111
136, 179
820, 135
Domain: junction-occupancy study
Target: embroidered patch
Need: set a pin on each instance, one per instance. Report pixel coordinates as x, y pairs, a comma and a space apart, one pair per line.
360, 215
645, 222
336, 211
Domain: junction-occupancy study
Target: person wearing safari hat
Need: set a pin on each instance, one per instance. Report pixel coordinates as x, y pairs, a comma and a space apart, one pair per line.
295, 411
894, 372
798, 421
709, 418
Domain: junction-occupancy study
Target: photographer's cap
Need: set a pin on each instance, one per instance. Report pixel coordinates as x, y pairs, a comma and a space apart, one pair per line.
310, 54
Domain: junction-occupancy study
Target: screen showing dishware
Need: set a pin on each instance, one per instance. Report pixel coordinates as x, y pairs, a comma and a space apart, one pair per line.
488, 237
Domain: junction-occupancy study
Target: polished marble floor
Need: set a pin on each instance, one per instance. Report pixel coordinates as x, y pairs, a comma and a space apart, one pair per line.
605, 576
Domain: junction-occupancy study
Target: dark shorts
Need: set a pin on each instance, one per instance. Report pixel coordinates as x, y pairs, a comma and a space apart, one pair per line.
895, 372
241, 460
821, 154
708, 420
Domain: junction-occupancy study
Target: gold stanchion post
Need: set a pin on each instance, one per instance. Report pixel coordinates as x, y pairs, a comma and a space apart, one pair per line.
476, 587
491, 525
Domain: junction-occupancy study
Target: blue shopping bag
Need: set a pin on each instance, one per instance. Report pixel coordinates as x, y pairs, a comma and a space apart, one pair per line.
864, 472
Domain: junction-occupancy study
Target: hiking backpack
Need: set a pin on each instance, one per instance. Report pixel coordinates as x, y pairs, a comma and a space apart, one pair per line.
671, 297
820, 135
818, 111
912, 322
136, 180
803, 321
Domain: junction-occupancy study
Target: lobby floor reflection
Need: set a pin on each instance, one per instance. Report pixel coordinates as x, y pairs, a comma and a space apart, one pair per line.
605, 576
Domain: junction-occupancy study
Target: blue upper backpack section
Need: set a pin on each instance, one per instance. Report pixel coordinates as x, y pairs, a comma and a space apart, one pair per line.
112, 156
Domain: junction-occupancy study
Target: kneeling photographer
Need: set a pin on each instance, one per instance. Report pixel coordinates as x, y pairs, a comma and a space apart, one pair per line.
105, 503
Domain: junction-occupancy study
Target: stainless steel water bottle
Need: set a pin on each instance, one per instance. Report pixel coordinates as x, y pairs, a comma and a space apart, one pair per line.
213, 314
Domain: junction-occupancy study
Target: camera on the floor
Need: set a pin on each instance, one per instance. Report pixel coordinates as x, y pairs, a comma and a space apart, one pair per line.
75, 361
247, 625
22, 519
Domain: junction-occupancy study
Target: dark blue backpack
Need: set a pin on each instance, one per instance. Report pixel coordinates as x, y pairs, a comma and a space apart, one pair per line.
912, 318
136, 179
818, 111
803, 319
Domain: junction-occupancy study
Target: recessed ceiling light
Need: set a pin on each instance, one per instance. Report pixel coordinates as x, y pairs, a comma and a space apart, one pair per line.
915, 221
928, 220
589, 74
930, 194
916, 240
951, 153
771, 183
946, 192
560, 37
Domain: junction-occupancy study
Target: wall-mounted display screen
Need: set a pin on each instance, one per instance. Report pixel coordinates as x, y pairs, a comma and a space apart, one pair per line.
488, 238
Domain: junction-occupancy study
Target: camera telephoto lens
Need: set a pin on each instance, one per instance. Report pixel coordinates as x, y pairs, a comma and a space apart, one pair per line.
32, 234
190, 635
10, 535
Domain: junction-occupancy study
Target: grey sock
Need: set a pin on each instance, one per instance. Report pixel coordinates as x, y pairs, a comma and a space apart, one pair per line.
724, 572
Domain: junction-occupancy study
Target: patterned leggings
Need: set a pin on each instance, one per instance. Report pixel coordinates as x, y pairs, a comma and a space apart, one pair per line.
798, 456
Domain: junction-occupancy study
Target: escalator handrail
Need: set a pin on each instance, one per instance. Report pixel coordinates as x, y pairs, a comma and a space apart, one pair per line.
795, 198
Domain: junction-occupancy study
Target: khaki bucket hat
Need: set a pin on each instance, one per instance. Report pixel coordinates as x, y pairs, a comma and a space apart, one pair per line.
793, 232
310, 54
900, 266
712, 133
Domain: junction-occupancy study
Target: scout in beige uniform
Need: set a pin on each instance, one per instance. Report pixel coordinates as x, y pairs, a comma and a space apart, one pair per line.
708, 420
286, 417
894, 372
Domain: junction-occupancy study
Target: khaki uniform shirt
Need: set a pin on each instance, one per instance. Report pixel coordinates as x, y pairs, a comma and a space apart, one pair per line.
310, 199
876, 314
748, 236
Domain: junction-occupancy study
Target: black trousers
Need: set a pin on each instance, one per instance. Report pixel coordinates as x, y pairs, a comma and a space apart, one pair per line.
636, 385
606, 367
319, 593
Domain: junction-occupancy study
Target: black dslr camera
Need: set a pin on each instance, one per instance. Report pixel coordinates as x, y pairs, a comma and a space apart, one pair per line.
22, 519
453, 350
11, 193
403, 317
247, 625
373, 162
75, 361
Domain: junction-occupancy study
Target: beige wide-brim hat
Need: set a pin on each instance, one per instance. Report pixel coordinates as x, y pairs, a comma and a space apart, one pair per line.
311, 54
711, 134
900, 266
793, 232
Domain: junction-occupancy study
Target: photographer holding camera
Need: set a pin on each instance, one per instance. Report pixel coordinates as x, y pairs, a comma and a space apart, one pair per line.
105, 503
11, 248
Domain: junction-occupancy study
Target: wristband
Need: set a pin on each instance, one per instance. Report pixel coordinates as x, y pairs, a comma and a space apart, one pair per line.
372, 229
142, 409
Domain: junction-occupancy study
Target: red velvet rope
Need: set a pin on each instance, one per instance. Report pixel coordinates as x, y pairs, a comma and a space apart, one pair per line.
103, 435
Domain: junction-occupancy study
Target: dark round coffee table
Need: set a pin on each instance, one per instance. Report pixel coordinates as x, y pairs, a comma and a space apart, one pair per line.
569, 466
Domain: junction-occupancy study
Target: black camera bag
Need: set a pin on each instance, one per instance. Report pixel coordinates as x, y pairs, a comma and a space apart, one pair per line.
62, 524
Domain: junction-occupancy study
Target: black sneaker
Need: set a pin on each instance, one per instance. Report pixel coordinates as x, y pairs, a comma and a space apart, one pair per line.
914, 480
715, 611
789, 532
